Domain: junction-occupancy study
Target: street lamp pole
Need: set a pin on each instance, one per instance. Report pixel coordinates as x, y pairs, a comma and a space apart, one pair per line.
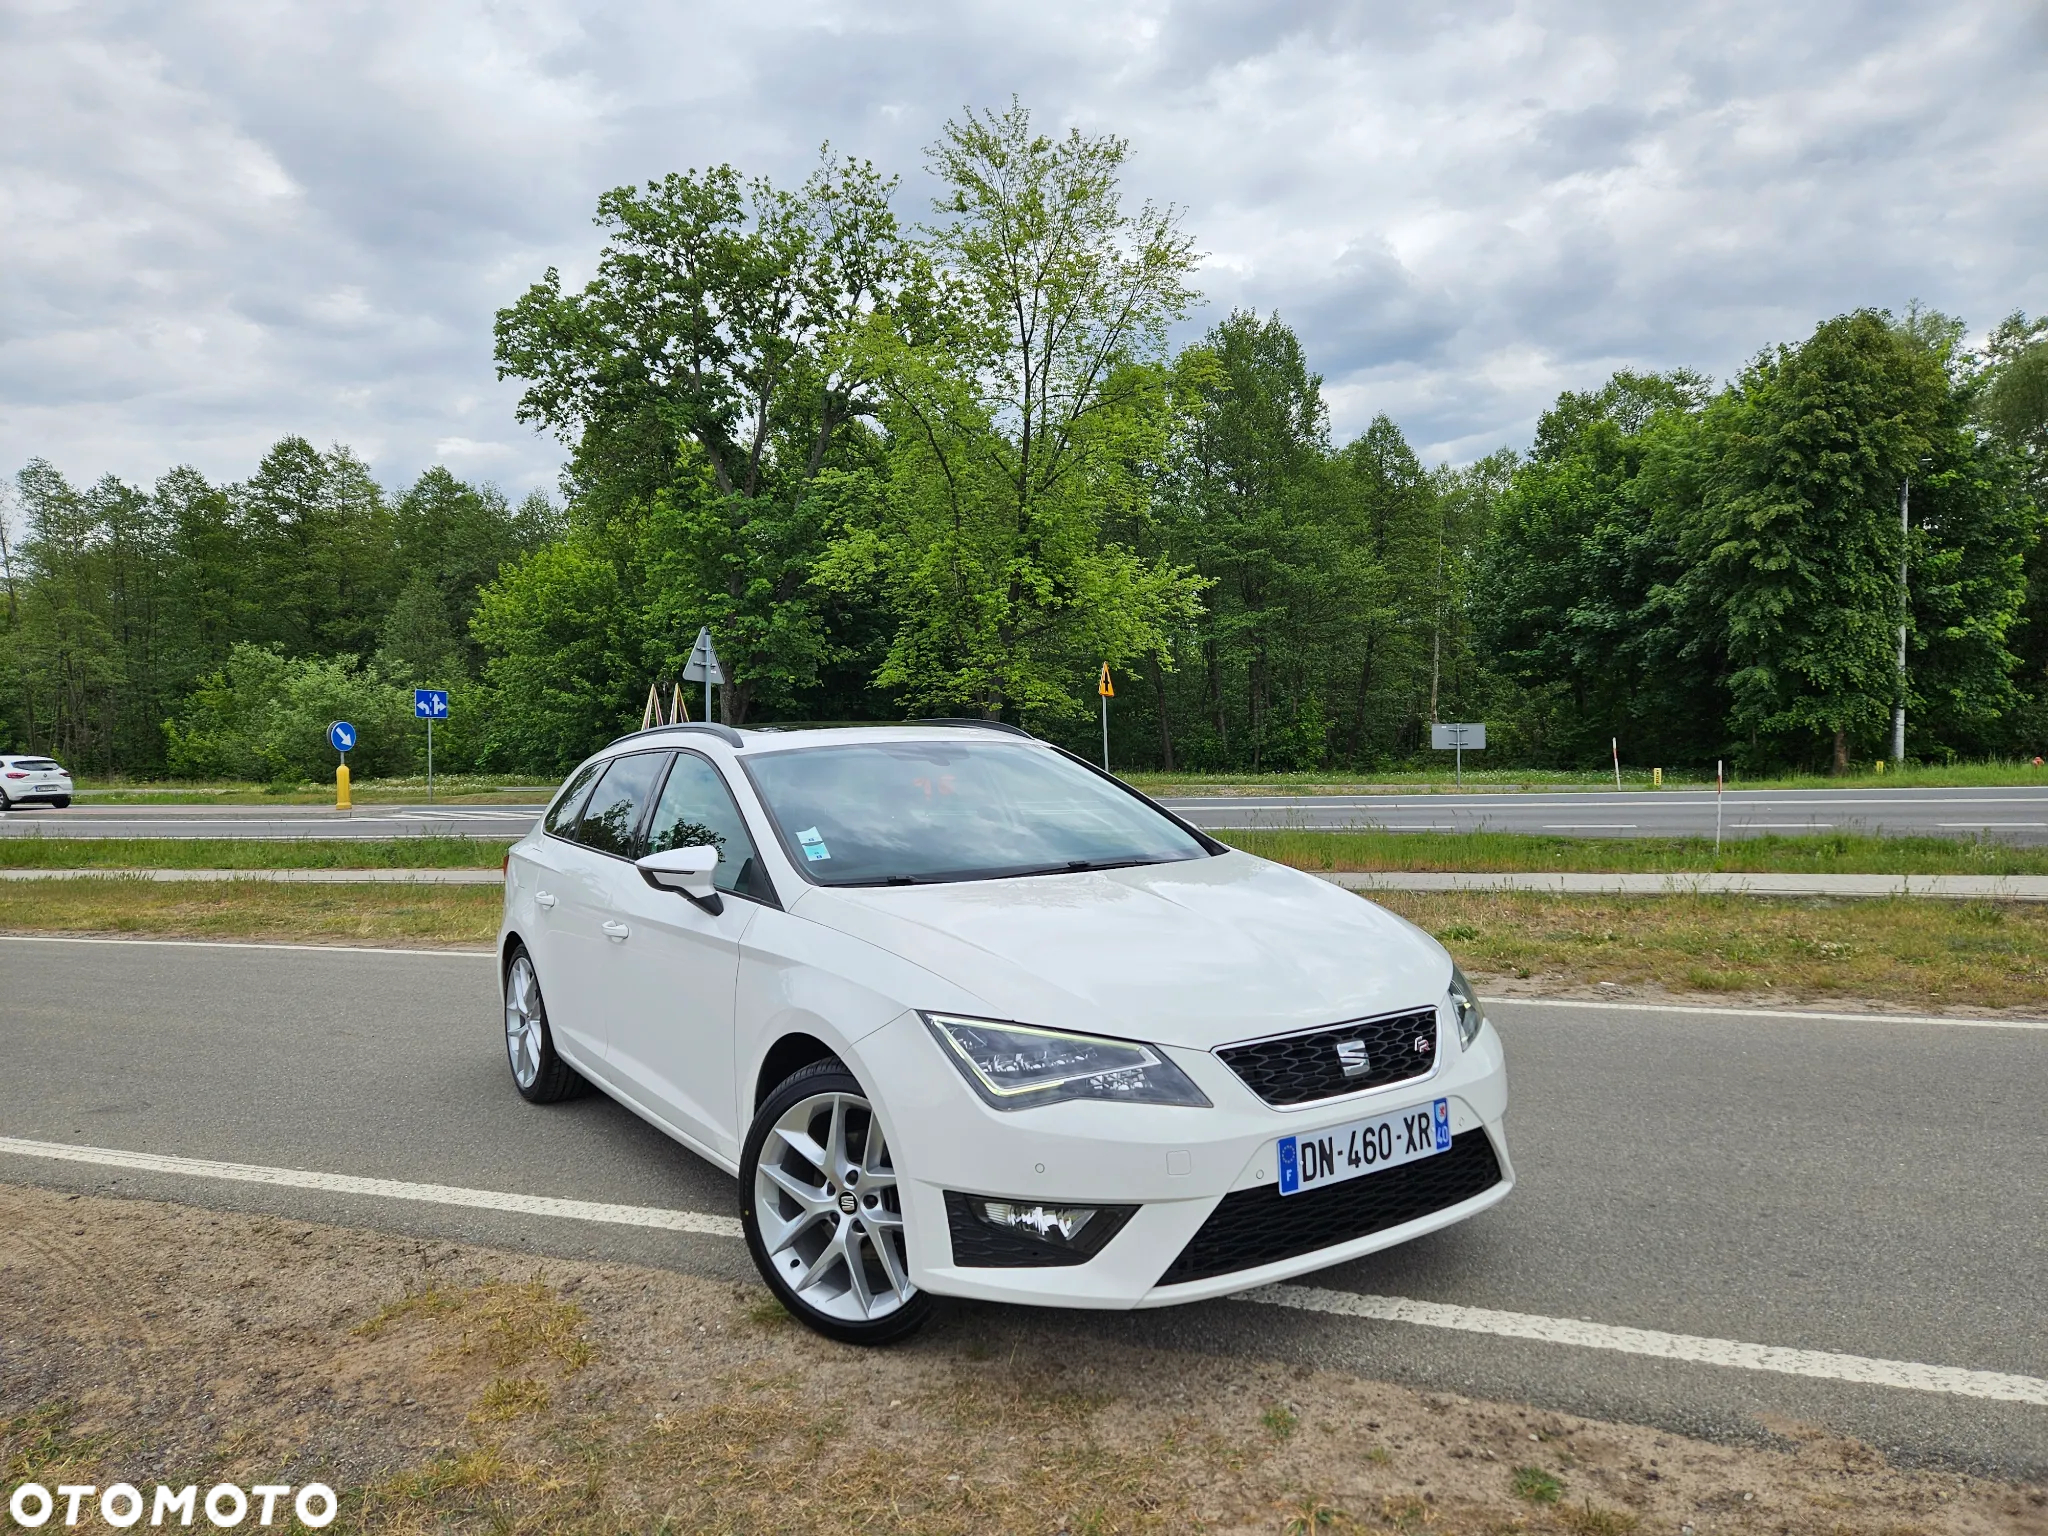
1905, 611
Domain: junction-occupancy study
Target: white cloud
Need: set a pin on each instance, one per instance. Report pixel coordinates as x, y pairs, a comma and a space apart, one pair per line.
230, 221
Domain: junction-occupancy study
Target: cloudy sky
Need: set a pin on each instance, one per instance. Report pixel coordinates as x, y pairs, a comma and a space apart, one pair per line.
223, 222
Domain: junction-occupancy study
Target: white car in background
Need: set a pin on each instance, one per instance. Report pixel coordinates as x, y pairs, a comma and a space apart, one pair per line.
968, 1017
33, 781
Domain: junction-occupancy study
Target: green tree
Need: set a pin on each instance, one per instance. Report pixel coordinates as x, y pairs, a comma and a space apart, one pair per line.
264, 715
704, 379
1794, 541
1295, 597
560, 680
1577, 578
1027, 394
321, 566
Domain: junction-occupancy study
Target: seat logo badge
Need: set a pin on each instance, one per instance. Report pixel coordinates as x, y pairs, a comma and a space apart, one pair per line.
1352, 1058
848, 1204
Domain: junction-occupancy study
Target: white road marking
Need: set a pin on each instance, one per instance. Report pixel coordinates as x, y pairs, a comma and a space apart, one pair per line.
311, 949
385, 1189
1960, 1021
1968, 825
1821, 1364
1782, 826
1590, 826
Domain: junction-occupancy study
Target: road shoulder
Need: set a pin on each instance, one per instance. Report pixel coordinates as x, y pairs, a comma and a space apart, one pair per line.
442, 1384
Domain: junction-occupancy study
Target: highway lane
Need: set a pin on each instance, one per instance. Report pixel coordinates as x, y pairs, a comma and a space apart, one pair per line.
1875, 1188
503, 823
2017, 815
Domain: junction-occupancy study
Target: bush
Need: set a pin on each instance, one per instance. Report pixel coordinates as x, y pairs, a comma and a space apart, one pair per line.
265, 716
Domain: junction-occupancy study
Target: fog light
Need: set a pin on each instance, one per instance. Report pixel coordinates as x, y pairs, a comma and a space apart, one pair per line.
1060, 1224
1016, 1233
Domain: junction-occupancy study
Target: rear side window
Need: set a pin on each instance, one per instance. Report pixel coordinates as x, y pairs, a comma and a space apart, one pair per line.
695, 810
562, 814
611, 821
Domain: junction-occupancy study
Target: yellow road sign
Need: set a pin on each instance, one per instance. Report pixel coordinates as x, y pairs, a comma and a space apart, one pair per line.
1105, 687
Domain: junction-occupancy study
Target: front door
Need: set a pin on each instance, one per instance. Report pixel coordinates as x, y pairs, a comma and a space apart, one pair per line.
671, 1042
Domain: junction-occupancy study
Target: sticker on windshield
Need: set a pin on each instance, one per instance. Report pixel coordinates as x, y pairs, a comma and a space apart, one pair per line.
813, 842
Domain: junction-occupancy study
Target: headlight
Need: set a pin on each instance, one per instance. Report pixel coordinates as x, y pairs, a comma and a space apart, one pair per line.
1465, 1003
1013, 1066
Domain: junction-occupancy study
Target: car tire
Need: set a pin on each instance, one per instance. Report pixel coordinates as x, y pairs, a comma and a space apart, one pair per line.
540, 1075
815, 1146
62, 802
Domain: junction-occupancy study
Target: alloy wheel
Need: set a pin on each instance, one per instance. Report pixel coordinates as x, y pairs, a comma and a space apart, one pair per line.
525, 1023
828, 1211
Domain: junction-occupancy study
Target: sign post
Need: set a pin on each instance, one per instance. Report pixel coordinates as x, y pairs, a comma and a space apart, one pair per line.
703, 667
1459, 739
342, 737
1108, 691
430, 704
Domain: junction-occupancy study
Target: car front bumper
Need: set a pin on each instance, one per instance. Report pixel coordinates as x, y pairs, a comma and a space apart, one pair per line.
1177, 1165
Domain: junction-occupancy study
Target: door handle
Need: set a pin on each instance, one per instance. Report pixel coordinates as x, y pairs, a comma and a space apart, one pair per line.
616, 931
543, 898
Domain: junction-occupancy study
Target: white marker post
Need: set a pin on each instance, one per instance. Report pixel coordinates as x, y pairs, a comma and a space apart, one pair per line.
1614, 744
1720, 788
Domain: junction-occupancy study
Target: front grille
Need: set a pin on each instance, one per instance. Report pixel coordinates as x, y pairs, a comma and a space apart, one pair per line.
1262, 1226
1299, 1069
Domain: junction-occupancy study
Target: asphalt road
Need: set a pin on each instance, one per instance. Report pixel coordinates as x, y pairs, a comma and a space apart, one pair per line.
1874, 1188
2017, 815
503, 823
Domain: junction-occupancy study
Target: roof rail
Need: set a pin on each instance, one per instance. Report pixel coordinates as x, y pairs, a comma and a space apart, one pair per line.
724, 733
979, 725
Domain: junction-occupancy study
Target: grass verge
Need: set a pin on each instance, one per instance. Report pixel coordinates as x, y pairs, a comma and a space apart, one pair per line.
1517, 852
1928, 954
449, 789
1931, 954
424, 915
56, 852
442, 1387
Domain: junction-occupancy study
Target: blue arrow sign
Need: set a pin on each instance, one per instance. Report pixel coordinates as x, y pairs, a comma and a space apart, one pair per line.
341, 736
430, 703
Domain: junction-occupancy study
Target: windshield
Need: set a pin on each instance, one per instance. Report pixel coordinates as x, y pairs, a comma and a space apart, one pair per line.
905, 812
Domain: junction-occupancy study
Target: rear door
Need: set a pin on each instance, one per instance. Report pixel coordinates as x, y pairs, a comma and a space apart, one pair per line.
537, 875
585, 933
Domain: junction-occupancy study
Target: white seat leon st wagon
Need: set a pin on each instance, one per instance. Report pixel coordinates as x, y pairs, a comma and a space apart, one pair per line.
968, 1017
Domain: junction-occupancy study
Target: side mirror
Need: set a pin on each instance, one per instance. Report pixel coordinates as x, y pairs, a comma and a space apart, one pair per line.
686, 871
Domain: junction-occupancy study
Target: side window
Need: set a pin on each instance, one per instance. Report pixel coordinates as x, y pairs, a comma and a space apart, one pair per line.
613, 816
562, 814
696, 809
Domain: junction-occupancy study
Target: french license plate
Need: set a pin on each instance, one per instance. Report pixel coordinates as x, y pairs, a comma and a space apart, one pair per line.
1364, 1146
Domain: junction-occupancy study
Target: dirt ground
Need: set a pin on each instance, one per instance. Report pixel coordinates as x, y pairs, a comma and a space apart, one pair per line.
443, 1387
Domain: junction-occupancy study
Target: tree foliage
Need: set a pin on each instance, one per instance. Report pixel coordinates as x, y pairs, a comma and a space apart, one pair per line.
957, 467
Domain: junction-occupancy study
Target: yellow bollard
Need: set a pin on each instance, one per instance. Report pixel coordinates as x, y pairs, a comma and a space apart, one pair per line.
1880, 765
341, 801
1657, 777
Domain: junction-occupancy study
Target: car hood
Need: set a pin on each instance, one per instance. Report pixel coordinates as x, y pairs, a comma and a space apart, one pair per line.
1194, 953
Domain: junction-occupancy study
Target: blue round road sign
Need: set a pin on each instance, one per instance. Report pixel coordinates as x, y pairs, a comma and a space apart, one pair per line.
341, 736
